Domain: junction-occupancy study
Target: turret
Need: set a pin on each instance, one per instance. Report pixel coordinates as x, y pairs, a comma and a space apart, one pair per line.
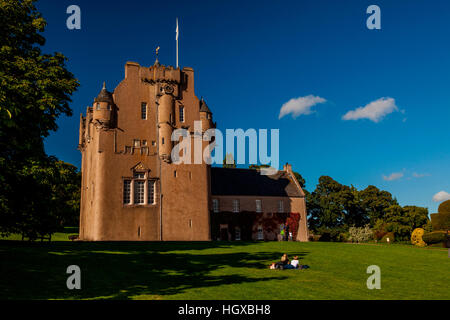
165, 122
205, 116
103, 107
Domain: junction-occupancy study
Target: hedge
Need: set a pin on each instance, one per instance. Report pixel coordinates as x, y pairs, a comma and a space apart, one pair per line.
389, 235
434, 237
444, 207
440, 221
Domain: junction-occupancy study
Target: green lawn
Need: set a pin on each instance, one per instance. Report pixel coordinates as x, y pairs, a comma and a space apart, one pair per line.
220, 270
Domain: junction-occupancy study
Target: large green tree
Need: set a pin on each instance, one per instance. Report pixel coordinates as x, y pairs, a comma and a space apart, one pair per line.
35, 89
375, 202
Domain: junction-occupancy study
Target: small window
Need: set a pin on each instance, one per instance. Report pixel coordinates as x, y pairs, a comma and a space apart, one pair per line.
175, 173
109, 107
237, 234
162, 140
280, 206
215, 205
136, 143
181, 114
144, 142
97, 106
139, 175
153, 143
151, 192
258, 205
190, 223
235, 205
260, 233
126, 191
144, 111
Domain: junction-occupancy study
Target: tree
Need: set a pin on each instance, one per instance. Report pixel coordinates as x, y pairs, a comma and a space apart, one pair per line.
326, 209
375, 202
228, 161
35, 90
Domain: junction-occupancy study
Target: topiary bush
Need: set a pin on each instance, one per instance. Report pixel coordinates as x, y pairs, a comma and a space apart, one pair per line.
444, 207
389, 235
434, 237
440, 221
416, 237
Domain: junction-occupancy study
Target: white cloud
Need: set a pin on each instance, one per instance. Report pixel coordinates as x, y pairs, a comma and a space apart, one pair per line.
393, 176
375, 111
441, 196
300, 105
420, 175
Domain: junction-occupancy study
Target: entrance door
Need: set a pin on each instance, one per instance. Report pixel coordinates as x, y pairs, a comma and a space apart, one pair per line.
224, 234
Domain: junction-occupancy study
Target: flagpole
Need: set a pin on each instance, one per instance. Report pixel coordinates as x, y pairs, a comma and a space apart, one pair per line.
177, 41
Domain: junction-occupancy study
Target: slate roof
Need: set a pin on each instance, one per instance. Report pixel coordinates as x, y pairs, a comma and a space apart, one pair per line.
204, 106
104, 96
249, 182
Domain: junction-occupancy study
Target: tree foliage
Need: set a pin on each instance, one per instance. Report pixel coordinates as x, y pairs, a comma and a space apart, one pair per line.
334, 208
35, 89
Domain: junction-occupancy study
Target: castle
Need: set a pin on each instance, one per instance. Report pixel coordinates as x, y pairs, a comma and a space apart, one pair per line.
132, 190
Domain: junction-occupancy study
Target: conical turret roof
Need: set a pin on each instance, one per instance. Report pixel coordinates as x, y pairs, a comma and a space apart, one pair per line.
204, 106
104, 95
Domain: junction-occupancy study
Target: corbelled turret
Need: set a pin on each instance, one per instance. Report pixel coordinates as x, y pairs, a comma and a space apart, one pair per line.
103, 107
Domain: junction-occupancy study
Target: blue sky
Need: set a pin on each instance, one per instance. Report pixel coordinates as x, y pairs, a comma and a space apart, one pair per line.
252, 57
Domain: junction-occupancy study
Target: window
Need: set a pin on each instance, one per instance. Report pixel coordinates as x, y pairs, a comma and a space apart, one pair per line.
126, 191
97, 106
151, 192
237, 233
109, 107
162, 140
144, 111
139, 191
258, 206
144, 142
175, 173
280, 206
139, 175
215, 205
136, 143
260, 233
236, 205
181, 114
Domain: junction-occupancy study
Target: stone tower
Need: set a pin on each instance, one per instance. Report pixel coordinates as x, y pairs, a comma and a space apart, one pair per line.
131, 189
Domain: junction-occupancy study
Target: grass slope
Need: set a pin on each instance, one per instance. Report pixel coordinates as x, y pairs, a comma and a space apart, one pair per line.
220, 270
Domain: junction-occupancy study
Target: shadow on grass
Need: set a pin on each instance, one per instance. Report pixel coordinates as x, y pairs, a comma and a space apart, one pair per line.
120, 270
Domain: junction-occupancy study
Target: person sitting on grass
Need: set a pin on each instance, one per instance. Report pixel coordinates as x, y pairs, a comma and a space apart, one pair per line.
294, 262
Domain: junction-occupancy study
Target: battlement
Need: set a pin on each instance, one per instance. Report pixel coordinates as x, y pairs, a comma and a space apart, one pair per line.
153, 74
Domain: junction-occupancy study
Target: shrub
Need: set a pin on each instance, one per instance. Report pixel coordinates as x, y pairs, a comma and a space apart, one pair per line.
379, 234
444, 207
389, 235
434, 237
416, 237
360, 234
440, 221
